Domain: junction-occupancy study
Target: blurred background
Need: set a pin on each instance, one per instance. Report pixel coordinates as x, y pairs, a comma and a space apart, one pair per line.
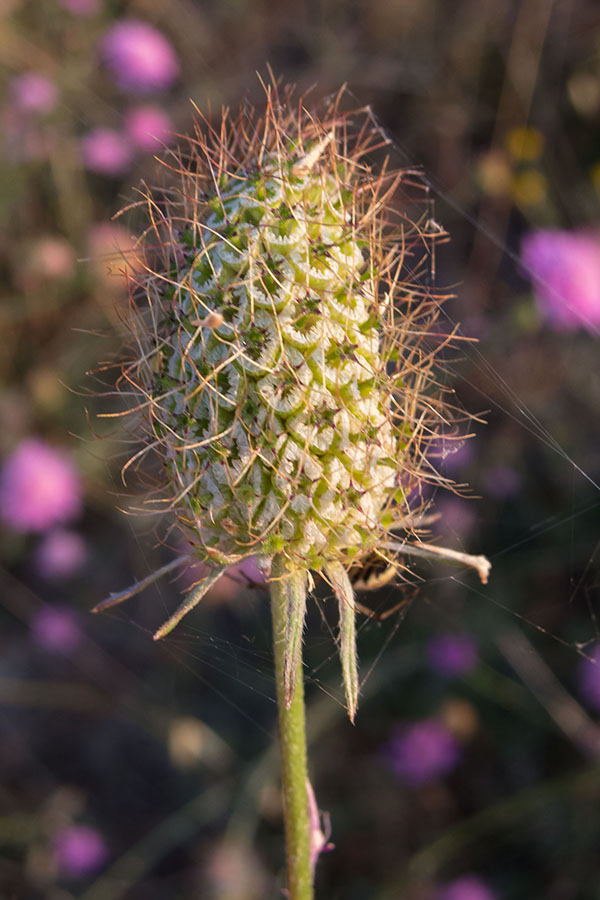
139, 771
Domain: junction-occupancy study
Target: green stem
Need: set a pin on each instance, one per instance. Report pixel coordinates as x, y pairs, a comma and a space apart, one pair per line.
292, 732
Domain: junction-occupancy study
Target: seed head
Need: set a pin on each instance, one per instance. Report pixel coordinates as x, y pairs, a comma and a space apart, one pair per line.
285, 350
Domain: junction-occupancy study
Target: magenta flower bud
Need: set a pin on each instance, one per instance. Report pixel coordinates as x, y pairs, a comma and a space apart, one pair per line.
565, 269
39, 487
60, 554
106, 152
33, 92
452, 655
139, 57
79, 850
148, 127
423, 751
56, 630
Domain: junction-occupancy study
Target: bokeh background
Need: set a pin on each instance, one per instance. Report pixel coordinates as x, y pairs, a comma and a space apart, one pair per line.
139, 771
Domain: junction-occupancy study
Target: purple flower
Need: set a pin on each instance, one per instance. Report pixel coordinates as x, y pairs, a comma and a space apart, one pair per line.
565, 269
139, 57
33, 92
81, 7
60, 554
469, 887
106, 151
421, 752
79, 850
39, 487
452, 655
588, 677
56, 630
148, 127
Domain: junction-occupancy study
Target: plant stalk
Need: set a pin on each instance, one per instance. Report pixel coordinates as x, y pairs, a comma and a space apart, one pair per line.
292, 733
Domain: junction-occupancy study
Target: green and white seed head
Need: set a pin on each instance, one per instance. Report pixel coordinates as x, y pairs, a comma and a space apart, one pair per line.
283, 357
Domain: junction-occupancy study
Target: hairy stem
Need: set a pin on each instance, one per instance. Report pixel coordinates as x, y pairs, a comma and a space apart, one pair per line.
292, 732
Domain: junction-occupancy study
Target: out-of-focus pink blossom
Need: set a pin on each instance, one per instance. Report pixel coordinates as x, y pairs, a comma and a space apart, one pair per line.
79, 850
106, 151
39, 487
33, 92
588, 677
56, 630
469, 887
148, 127
421, 752
565, 269
452, 655
139, 57
81, 7
60, 554
50, 258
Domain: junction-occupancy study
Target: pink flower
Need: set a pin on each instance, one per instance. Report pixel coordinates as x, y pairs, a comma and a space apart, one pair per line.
39, 487
56, 630
148, 127
60, 554
565, 269
421, 752
469, 887
452, 655
78, 850
139, 57
106, 151
33, 92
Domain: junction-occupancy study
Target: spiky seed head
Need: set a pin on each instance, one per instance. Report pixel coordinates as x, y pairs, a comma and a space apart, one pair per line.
284, 364
281, 353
